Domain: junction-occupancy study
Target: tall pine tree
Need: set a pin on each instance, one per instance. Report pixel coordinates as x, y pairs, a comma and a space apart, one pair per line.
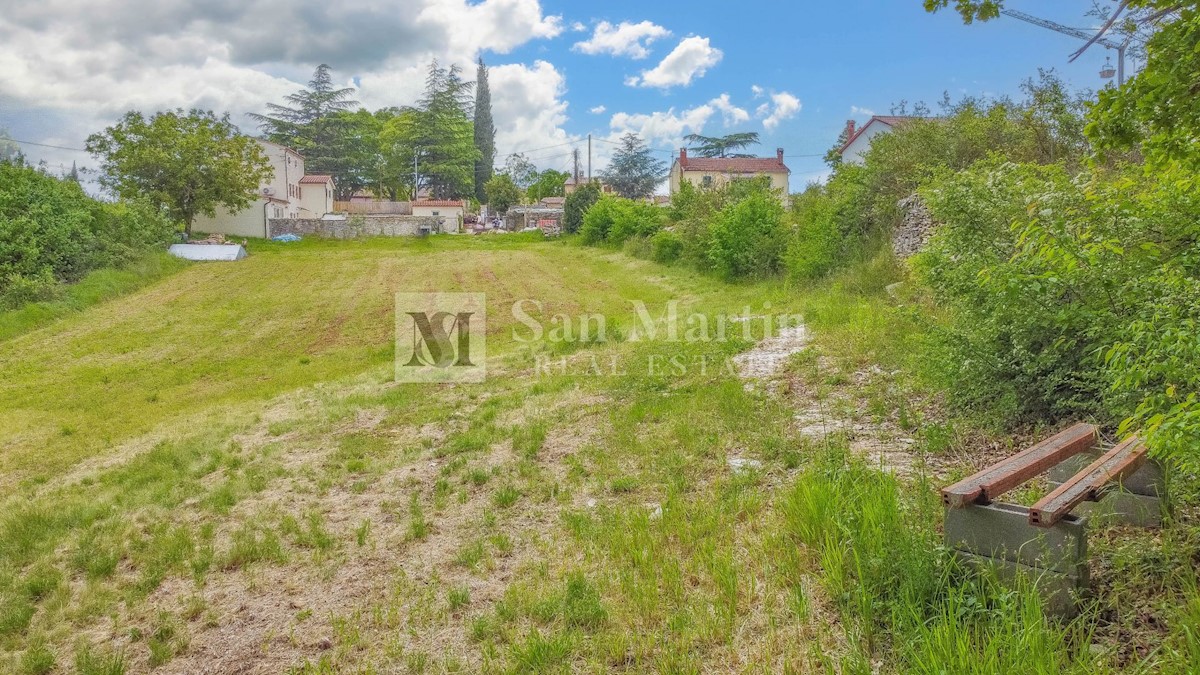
485, 132
316, 125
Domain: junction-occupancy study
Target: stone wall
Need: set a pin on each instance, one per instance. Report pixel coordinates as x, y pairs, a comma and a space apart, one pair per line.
914, 229
357, 226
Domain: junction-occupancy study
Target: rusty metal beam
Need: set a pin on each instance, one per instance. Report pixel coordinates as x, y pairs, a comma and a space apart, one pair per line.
1001, 477
1089, 484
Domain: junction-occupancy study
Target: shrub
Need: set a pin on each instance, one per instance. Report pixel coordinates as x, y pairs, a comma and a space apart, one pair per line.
665, 247
817, 247
51, 232
598, 220
1071, 297
576, 204
749, 237
613, 220
634, 219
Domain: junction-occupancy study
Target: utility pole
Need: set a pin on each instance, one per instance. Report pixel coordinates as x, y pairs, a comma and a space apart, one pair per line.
414, 194
589, 158
1121, 47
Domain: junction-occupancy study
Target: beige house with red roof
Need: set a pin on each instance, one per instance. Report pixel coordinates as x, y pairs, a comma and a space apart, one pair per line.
288, 193
713, 172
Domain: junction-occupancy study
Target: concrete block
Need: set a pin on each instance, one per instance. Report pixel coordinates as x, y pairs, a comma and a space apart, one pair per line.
1002, 531
1124, 507
1060, 592
1148, 480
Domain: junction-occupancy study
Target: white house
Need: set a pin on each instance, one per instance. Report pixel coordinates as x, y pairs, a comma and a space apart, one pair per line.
451, 212
289, 193
859, 140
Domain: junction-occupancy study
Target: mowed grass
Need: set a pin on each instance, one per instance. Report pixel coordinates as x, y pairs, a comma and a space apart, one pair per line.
215, 338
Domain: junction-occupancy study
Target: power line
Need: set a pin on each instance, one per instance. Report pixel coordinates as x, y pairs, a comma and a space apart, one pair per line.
44, 145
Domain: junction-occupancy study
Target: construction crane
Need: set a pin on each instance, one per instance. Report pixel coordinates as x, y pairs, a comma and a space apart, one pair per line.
1121, 47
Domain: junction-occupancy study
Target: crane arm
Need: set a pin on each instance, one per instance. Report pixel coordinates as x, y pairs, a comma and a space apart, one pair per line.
1059, 28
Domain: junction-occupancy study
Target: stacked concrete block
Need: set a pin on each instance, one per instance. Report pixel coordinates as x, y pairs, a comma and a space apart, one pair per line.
1139, 500
998, 536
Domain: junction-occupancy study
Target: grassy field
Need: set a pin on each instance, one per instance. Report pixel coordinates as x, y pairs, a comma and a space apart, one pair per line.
218, 473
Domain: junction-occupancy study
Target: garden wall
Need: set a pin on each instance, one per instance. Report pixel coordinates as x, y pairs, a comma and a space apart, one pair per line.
356, 226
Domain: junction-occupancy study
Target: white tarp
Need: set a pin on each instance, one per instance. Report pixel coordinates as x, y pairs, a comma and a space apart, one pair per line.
208, 251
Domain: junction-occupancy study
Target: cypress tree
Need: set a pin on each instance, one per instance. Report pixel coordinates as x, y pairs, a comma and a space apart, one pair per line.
485, 132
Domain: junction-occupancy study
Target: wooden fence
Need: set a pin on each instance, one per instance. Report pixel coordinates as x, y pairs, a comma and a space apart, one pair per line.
377, 208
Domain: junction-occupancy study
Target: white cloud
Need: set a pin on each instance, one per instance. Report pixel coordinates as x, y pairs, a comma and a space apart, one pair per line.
729, 112
85, 63
579, 27
757, 90
857, 111
528, 107
624, 39
660, 128
691, 58
783, 106
598, 110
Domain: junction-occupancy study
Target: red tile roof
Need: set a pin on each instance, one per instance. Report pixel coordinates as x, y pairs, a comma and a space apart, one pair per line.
733, 164
437, 202
317, 178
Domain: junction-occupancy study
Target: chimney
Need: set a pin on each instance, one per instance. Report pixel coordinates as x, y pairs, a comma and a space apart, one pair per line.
683, 155
849, 129
779, 154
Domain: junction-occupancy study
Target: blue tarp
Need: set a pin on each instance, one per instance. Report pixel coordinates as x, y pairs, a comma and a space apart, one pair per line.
286, 237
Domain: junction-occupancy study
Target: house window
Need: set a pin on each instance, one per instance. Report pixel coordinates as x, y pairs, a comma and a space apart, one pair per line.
707, 181
436, 213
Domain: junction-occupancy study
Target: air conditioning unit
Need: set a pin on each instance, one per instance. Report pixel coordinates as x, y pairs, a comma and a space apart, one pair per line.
268, 191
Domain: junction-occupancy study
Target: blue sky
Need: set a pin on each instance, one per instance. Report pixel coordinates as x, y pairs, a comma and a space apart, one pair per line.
792, 71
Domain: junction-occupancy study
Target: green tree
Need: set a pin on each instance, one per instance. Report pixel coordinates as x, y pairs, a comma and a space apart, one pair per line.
721, 146
502, 193
439, 133
9, 150
520, 170
577, 204
634, 172
320, 99
186, 163
315, 123
549, 183
1157, 110
485, 131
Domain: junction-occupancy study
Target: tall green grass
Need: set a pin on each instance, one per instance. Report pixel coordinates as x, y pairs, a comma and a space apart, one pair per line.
96, 287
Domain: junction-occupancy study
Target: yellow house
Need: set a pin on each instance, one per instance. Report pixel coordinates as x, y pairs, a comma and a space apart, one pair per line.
713, 172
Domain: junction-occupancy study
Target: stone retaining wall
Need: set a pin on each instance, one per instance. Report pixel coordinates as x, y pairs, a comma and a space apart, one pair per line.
360, 226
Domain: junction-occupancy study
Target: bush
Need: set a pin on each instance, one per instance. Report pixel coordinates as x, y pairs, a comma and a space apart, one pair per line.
634, 219
1071, 297
817, 247
598, 220
749, 237
665, 247
576, 204
51, 232
613, 220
